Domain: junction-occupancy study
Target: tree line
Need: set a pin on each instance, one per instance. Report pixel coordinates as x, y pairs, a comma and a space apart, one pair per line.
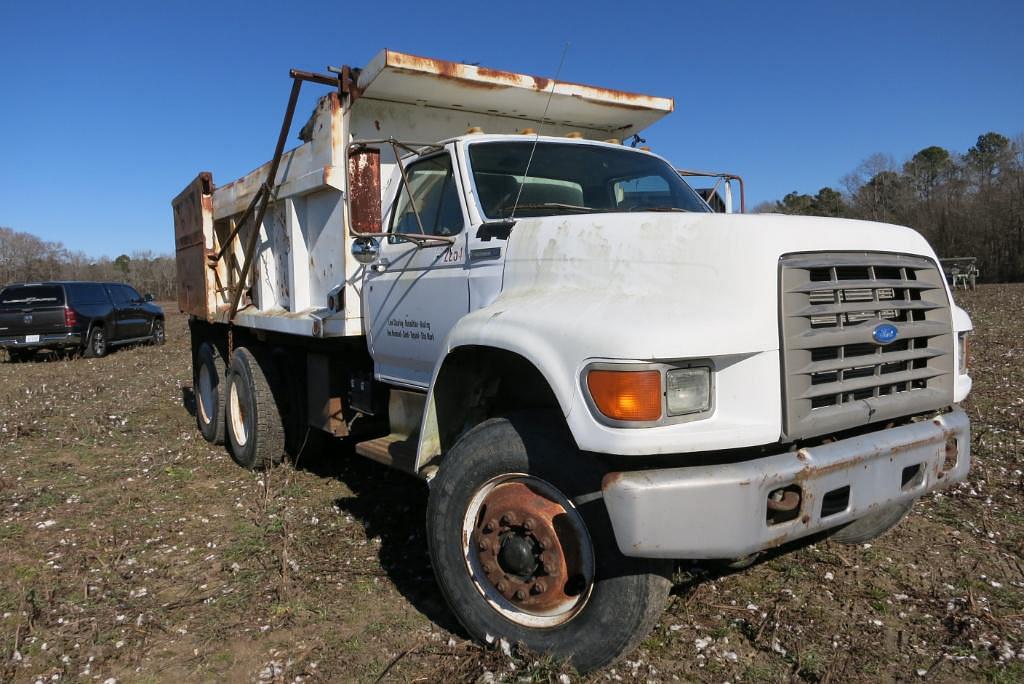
25, 257
969, 204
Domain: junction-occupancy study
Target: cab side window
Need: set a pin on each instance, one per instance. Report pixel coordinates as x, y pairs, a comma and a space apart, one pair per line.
436, 199
121, 294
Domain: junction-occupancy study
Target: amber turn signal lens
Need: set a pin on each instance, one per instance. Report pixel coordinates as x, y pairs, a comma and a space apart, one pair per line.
626, 395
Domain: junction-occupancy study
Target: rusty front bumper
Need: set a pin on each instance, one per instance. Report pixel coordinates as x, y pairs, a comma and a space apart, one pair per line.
722, 511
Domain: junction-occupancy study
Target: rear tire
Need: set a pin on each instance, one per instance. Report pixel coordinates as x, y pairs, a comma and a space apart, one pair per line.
210, 383
873, 525
19, 355
589, 614
254, 427
96, 344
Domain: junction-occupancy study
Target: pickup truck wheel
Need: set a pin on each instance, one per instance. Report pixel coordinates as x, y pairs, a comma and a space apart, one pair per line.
872, 525
158, 336
209, 383
523, 551
18, 355
96, 343
254, 427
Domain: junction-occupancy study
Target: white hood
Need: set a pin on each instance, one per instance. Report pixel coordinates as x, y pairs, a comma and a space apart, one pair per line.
671, 285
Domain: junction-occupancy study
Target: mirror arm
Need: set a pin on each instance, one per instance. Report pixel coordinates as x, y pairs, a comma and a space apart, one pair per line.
408, 190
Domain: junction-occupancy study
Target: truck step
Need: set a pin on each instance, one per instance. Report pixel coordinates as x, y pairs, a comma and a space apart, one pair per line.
395, 451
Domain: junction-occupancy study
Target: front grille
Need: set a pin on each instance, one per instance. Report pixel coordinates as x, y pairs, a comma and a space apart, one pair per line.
836, 376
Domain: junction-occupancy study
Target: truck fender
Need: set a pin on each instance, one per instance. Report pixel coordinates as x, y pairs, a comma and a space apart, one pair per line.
499, 330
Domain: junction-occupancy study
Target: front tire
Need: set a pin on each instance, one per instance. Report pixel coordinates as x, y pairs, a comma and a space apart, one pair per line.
254, 427
159, 333
873, 525
522, 553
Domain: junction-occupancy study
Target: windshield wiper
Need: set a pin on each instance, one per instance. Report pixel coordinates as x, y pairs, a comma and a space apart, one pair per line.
558, 206
658, 209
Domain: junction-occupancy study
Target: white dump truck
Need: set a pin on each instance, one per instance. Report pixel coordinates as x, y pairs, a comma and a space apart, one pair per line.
467, 274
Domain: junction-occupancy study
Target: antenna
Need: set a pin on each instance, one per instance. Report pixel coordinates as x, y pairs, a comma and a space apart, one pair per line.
536, 137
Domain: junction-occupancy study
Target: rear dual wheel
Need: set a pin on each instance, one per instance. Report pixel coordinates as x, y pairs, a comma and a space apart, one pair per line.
210, 382
255, 431
523, 549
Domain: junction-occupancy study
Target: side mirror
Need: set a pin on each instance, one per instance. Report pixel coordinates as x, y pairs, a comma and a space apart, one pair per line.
148, 297
365, 249
364, 191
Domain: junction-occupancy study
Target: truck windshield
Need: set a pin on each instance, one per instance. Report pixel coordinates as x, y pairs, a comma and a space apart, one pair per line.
574, 178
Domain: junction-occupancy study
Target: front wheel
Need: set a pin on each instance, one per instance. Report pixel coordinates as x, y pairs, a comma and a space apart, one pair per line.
873, 525
524, 550
158, 335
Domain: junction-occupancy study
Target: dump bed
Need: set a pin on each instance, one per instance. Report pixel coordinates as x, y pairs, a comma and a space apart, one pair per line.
303, 280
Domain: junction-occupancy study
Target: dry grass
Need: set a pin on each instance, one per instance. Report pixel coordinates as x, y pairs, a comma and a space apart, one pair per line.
132, 549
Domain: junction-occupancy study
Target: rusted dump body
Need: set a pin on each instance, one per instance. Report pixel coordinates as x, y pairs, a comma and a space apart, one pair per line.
193, 230
303, 280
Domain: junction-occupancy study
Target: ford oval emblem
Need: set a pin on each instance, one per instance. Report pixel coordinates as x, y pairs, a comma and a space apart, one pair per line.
884, 333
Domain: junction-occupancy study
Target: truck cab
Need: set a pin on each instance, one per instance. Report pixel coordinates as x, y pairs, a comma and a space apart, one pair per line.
595, 373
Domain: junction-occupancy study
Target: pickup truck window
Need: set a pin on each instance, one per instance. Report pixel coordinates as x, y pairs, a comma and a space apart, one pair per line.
437, 199
32, 295
122, 294
574, 178
81, 294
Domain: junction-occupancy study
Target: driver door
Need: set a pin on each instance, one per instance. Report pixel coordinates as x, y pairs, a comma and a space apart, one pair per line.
413, 295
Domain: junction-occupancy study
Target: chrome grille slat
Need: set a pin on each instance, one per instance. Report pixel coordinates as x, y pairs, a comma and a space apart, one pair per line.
844, 284
869, 305
844, 386
835, 375
829, 337
879, 359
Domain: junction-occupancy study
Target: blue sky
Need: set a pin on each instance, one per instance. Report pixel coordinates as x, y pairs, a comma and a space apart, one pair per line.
107, 110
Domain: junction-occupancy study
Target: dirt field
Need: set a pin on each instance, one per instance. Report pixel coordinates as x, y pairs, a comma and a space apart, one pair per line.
131, 549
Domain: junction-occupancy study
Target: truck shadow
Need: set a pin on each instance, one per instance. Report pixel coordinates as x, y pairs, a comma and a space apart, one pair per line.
390, 506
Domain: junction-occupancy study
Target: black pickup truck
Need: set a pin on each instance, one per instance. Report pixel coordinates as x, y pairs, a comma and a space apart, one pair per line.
75, 316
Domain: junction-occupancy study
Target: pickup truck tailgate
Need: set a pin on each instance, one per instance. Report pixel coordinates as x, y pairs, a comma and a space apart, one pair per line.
31, 310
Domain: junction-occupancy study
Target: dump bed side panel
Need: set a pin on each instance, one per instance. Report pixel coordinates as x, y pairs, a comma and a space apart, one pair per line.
193, 242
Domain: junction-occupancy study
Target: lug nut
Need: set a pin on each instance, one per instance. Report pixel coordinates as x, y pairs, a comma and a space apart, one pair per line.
488, 568
544, 543
483, 545
508, 519
503, 587
520, 595
529, 524
539, 588
549, 568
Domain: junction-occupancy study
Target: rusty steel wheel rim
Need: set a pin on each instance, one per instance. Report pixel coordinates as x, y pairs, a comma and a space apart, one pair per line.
528, 551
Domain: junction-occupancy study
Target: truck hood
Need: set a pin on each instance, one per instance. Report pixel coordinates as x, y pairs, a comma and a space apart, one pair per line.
669, 285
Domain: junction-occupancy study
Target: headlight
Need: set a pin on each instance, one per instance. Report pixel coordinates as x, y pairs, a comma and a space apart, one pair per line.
688, 390
964, 355
648, 394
